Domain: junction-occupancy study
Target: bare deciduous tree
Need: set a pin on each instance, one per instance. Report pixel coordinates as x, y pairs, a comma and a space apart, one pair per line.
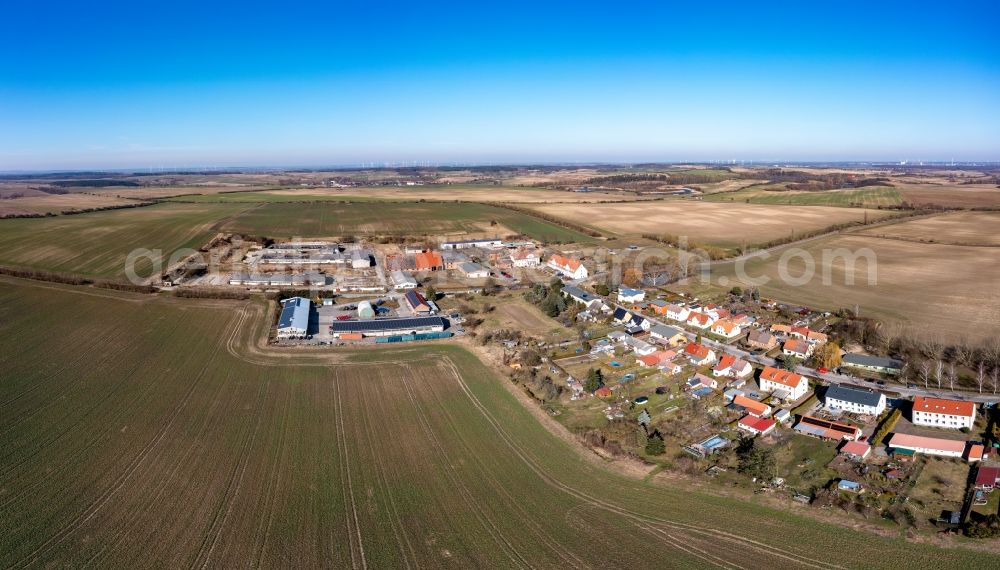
938, 372
951, 376
981, 375
925, 372
994, 376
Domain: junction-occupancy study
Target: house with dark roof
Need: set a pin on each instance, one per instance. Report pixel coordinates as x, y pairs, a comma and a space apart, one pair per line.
387, 327
417, 303
879, 364
826, 429
630, 319
854, 400
671, 336
579, 295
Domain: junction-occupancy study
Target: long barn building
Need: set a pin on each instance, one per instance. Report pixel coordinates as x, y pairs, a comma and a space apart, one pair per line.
388, 327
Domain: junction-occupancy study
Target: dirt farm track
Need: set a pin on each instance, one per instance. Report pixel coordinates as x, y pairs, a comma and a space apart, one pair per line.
145, 432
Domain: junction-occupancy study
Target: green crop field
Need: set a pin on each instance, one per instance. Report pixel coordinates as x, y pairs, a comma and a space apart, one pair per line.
98, 243
149, 432
330, 219
274, 196
868, 197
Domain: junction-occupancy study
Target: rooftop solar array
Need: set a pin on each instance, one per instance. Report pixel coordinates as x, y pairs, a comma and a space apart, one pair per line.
407, 324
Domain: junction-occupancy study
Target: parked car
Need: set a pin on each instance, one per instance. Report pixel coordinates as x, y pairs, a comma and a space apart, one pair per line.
344, 318
823, 370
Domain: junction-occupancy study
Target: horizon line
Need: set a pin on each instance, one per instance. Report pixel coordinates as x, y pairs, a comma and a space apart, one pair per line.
430, 164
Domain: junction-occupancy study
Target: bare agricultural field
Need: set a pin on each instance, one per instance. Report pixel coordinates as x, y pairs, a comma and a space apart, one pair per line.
56, 203
727, 185
377, 217
951, 195
462, 193
17, 188
954, 228
519, 315
704, 222
933, 289
148, 432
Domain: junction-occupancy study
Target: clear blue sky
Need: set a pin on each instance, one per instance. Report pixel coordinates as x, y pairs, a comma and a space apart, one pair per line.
176, 83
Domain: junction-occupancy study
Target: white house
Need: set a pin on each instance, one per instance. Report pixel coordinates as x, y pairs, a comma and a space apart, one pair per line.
569, 267
525, 257
678, 312
783, 384
755, 425
360, 259
640, 347
853, 400
699, 320
797, 348
699, 380
726, 328
937, 412
474, 270
489, 243
629, 295
729, 365
873, 363
715, 311
402, 280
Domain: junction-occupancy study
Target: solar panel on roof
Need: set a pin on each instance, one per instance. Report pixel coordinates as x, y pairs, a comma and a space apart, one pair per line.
386, 324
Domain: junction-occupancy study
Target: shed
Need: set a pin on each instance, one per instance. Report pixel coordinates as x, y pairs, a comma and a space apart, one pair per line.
366, 310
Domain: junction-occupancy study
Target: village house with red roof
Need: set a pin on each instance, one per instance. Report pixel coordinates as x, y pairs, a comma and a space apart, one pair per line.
568, 266
699, 355
783, 384
938, 412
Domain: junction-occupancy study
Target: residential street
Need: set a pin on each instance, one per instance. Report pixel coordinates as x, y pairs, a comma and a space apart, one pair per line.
829, 377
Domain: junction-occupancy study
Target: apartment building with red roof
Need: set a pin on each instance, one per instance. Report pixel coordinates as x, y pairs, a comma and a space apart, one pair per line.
938, 412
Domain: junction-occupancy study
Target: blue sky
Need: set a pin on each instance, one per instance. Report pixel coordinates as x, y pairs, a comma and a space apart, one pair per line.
168, 84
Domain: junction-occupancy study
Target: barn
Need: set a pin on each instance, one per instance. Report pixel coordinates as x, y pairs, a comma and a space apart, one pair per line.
387, 327
294, 318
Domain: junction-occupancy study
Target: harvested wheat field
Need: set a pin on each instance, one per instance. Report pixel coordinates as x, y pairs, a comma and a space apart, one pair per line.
934, 289
955, 228
157, 432
725, 225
